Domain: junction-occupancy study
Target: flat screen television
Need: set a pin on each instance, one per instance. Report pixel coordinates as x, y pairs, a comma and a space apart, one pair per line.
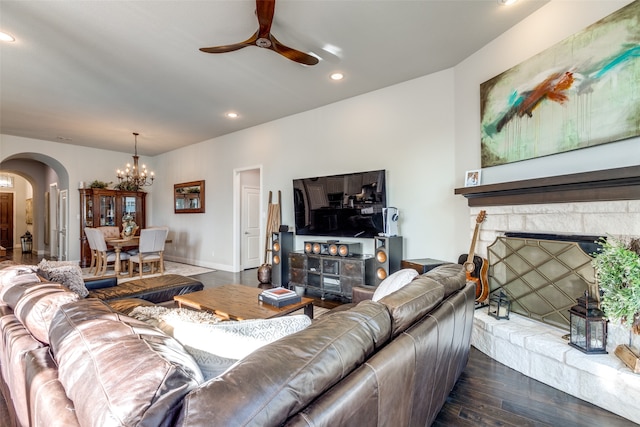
347, 205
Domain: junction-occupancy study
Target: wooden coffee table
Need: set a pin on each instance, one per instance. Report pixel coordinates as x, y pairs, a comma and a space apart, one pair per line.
239, 302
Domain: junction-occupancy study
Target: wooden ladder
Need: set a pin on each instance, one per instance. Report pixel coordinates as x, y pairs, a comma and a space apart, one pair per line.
274, 218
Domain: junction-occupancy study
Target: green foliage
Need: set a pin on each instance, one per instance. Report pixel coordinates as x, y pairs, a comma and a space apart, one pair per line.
99, 184
126, 186
618, 270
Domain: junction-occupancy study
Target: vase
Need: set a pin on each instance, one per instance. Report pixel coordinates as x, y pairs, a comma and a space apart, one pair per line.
264, 273
129, 227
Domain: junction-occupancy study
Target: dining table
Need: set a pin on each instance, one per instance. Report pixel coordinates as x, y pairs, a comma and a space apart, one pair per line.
118, 244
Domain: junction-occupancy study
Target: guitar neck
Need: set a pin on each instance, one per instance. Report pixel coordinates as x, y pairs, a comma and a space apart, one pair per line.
473, 243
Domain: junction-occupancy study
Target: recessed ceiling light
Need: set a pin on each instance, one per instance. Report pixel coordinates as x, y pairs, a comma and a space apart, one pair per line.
337, 76
506, 2
5, 37
232, 115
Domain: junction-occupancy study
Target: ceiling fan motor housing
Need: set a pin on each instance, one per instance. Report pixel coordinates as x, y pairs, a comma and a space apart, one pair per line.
262, 42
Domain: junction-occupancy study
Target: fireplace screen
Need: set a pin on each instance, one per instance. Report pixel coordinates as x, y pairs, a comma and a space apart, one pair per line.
542, 278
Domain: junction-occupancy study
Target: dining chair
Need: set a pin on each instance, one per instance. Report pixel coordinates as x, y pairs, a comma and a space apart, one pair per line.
150, 250
93, 265
104, 255
110, 231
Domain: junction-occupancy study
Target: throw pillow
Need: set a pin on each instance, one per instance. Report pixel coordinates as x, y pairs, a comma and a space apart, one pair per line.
394, 282
216, 345
66, 273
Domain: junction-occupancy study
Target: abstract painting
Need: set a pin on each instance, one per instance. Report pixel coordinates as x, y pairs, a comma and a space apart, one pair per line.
582, 92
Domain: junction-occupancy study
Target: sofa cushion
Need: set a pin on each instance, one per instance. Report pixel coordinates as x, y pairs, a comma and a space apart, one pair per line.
214, 344
37, 305
20, 279
280, 379
127, 305
9, 273
394, 282
64, 272
451, 276
118, 370
100, 283
412, 302
48, 403
15, 342
154, 289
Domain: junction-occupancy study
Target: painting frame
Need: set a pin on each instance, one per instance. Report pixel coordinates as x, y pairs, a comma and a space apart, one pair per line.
472, 178
28, 208
579, 93
189, 197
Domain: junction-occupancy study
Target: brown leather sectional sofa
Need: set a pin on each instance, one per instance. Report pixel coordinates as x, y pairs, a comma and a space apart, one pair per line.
391, 362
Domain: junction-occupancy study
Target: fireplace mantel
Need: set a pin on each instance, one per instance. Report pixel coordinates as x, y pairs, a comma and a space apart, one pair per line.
601, 185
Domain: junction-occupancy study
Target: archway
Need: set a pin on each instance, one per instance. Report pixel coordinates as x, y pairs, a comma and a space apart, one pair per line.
41, 172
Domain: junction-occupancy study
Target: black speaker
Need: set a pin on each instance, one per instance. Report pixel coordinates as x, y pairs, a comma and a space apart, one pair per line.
281, 246
344, 248
388, 256
316, 248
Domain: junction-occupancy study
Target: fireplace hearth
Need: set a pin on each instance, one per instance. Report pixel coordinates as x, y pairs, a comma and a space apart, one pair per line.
594, 203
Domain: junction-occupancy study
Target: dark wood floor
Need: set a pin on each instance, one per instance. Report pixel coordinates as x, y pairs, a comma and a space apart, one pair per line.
488, 393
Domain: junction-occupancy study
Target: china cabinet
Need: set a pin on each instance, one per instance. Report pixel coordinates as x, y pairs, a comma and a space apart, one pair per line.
103, 208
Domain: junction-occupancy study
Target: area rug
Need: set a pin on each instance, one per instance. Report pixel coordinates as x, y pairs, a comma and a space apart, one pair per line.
170, 267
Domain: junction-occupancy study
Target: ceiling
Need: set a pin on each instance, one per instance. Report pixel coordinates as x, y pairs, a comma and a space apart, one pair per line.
93, 72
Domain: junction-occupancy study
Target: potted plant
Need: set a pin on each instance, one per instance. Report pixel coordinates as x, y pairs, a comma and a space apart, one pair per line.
99, 184
617, 265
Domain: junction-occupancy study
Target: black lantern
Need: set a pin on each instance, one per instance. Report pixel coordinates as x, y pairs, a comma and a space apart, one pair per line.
26, 241
588, 326
499, 305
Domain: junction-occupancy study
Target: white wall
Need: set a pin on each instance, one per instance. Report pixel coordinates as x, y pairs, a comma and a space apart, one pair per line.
80, 163
406, 129
425, 133
543, 29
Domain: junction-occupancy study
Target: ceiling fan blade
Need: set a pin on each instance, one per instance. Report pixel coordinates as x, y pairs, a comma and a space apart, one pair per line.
292, 54
265, 10
251, 41
263, 38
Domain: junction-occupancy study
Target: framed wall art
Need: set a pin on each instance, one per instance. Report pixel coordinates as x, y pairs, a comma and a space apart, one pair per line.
188, 197
582, 92
472, 178
28, 215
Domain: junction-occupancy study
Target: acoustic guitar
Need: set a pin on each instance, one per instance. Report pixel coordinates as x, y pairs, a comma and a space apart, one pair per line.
476, 267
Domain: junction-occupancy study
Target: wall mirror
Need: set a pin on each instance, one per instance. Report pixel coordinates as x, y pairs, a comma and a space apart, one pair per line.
188, 197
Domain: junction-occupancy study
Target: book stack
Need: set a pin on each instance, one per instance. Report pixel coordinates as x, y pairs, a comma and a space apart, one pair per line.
279, 297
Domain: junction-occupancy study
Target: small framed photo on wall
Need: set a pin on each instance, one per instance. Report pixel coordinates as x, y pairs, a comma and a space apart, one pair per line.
472, 178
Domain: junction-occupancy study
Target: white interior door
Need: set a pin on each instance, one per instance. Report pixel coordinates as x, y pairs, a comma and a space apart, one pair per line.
63, 220
250, 227
53, 220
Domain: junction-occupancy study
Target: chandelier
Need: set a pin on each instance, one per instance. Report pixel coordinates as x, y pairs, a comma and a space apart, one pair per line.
132, 178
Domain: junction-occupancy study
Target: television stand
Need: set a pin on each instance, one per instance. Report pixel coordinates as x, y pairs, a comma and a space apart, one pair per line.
330, 274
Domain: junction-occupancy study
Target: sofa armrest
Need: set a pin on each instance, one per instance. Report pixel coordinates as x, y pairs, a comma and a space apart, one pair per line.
362, 293
101, 282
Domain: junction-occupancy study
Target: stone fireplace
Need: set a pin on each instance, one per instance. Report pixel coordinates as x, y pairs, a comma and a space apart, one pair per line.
542, 274
574, 205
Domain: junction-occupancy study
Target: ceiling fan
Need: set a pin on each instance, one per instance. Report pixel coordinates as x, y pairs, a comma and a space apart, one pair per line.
263, 38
